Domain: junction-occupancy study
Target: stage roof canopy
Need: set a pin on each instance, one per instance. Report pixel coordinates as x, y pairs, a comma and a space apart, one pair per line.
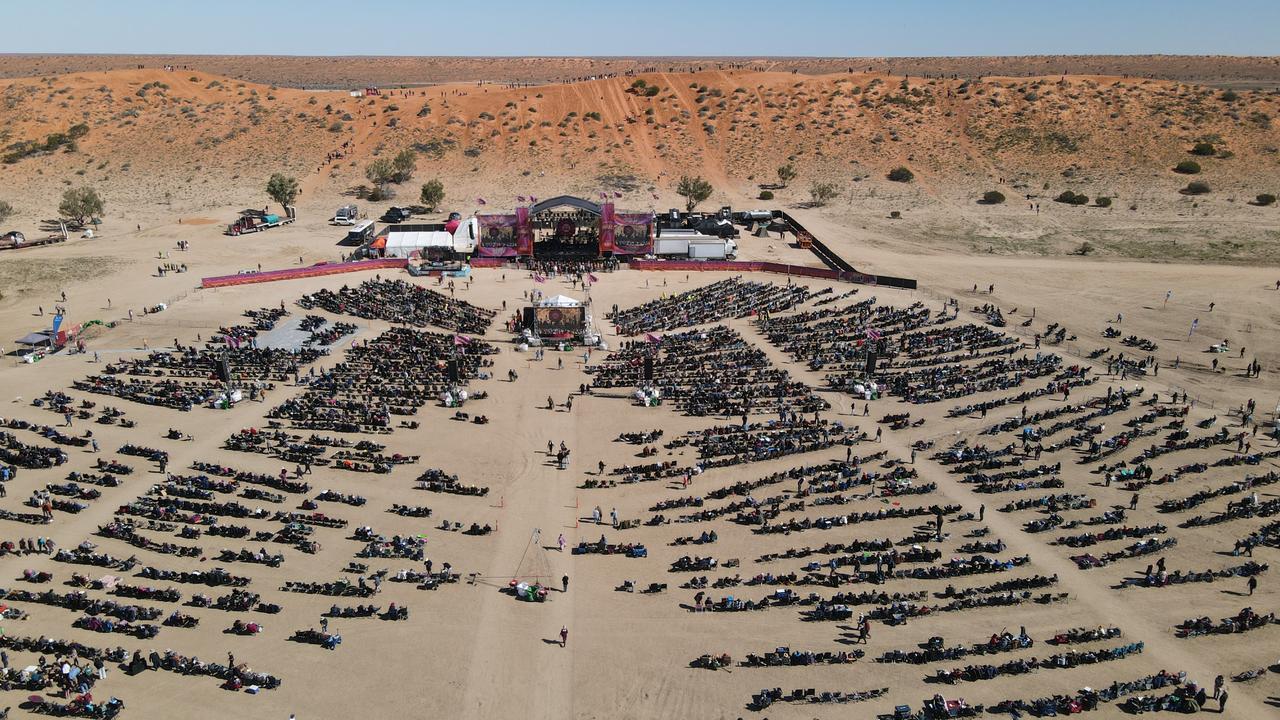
561, 301
563, 201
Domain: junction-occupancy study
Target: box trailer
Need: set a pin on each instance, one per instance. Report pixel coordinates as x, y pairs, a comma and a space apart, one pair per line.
712, 248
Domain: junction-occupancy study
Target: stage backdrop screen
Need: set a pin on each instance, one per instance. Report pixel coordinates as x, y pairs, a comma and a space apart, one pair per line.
497, 236
549, 320
631, 234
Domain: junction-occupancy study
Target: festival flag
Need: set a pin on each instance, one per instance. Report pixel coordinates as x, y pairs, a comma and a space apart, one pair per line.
539, 278
617, 194
480, 201
873, 334
459, 340
592, 278
520, 198
604, 196
652, 338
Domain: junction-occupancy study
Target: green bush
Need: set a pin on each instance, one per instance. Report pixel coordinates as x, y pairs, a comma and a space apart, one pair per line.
768, 195
1103, 202
1265, 199
1203, 149
1187, 167
992, 197
1071, 198
1196, 187
901, 174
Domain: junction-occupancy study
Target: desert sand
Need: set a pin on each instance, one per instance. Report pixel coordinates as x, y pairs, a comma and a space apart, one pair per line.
194, 154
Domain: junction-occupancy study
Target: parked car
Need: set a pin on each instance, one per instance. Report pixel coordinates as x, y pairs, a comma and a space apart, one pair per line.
396, 214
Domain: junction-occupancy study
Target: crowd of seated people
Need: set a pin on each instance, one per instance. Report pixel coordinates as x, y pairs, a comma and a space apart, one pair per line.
393, 374
731, 298
17, 454
1243, 621
402, 302
188, 376
706, 372
1088, 699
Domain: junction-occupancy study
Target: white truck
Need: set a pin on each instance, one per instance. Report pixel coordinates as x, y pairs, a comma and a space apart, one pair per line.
674, 243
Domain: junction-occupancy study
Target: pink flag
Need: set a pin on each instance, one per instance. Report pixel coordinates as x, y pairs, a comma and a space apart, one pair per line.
604, 196
539, 278
520, 198
592, 278
533, 199
617, 194
461, 340
652, 338
480, 201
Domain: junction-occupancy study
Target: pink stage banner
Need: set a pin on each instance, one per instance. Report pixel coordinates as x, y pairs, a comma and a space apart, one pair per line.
498, 236
631, 233
524, 232
606, 228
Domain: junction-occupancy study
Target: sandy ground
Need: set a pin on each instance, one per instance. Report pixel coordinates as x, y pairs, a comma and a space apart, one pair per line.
472, 651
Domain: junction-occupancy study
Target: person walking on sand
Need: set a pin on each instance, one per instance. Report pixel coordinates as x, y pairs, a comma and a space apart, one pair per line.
1252, 584
561, 542
564, 636
564, 584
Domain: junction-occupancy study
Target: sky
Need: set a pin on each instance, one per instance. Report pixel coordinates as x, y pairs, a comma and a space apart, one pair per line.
753, 28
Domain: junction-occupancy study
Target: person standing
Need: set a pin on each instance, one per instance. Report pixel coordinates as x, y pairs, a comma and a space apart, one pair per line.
561, 542
1252, 584
1222, 702
564, 636
564, 583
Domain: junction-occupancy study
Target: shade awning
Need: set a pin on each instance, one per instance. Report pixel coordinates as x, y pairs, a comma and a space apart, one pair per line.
35, 338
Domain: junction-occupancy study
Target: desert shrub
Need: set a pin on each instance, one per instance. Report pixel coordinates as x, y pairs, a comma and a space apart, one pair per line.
901, 174
823, 193
768, 195
1229, 96
652, 91
1265, 199
1203, 149
895, 214
992, 197
1187, 167
1085, 248
1103, 202
1196, 187
1071, 198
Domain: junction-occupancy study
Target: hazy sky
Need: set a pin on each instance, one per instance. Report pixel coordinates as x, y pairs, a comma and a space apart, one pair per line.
644, 27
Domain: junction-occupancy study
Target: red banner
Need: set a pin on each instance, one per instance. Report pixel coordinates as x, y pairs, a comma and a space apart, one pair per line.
524, 232
606, 228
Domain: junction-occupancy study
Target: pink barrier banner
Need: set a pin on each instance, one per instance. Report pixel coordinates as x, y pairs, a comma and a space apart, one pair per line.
498, 236
303, 272
751, 266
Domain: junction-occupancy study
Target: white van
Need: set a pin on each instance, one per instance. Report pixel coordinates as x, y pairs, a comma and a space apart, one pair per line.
346, 215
